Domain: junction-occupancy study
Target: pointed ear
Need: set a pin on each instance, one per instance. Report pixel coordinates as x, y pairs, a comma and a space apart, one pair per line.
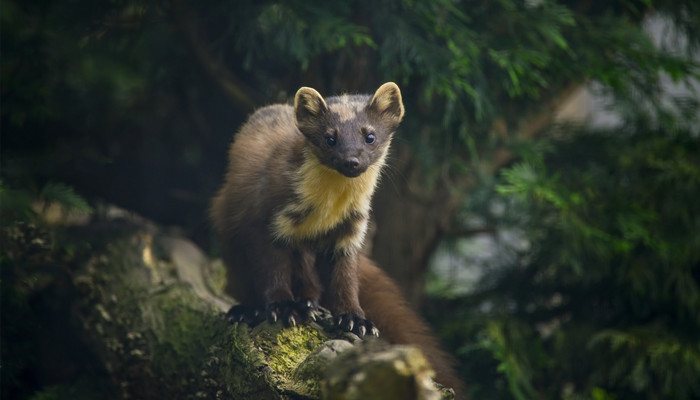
387, 102
309, 108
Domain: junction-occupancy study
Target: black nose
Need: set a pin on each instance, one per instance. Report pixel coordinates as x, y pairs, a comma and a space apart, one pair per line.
351, 163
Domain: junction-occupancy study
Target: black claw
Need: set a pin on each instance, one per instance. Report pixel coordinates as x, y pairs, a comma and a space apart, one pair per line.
309, 310
292, 312
273, 316
243, 314
357, 325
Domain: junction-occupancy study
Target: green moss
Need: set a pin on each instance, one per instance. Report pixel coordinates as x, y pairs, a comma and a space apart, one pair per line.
241, 364
183, 331
286, 348
216, 277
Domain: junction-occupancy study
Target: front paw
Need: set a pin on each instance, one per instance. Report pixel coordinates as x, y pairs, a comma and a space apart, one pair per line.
356, 324
246, 314
292, 312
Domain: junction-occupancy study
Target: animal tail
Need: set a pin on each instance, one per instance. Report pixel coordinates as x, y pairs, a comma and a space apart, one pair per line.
387, 308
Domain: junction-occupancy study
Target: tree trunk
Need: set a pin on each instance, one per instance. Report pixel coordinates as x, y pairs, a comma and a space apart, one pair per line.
411, 220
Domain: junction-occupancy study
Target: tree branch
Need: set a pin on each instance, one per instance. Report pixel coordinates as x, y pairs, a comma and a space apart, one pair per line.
530, 127
149, 308
239, 93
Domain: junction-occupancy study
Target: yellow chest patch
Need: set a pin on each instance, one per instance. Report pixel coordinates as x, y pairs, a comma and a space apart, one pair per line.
325, 199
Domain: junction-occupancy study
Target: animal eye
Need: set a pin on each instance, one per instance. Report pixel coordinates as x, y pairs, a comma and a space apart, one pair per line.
330, 141
370, 138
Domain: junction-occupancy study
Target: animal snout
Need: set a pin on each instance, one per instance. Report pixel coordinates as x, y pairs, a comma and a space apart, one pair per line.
351, 163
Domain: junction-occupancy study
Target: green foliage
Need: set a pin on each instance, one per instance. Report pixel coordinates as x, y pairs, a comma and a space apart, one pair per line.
603, 302
16, 203
298, 31
113, 69
505, 341
649, 359
65, 196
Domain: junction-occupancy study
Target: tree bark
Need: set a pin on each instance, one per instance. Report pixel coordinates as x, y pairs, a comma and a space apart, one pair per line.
411, 221
149, 307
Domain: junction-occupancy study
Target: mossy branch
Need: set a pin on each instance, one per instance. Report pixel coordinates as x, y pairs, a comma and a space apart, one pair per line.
148, 306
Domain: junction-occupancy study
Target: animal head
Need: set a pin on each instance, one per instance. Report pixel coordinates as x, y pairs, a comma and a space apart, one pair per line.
349, 133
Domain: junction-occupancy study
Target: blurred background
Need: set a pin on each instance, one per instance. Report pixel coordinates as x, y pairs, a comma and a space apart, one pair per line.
541, 207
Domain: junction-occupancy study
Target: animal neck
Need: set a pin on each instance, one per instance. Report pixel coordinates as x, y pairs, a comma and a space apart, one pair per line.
325, 198
328, 189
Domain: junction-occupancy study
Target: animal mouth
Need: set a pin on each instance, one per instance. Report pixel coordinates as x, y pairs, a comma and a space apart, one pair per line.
352, 172
350, 166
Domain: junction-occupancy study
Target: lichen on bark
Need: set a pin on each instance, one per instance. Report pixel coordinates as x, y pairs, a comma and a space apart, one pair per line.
147, 307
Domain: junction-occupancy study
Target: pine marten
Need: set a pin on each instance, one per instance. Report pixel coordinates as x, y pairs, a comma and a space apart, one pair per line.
292, 215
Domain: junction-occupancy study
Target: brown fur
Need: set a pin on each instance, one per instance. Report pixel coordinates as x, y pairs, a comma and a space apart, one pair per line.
292, 213
399, 324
